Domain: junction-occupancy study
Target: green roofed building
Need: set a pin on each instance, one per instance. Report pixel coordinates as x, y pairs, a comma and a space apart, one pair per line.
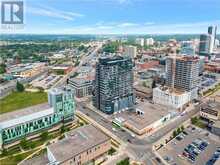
20, 123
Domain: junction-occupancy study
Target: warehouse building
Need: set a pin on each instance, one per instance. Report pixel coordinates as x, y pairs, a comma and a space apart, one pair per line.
83, 145
31, 120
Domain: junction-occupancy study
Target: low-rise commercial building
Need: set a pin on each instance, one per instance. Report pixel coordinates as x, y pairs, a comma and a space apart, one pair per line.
211, 110
81, 87
80, 146
6, 88
212, 67
146, 118
147, 65
29, 70
27, 121
62, 69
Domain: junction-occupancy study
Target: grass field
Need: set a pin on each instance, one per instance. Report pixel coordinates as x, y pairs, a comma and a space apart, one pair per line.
13, 160
19, 100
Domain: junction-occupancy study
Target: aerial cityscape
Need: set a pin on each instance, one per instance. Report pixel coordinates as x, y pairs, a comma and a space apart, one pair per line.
111, 82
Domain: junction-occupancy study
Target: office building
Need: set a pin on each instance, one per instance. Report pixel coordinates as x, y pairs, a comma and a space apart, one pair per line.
28, 121
113, 90
204, 44
130, 51
207, 41
81, 87
182, 72
212, 33
80, 146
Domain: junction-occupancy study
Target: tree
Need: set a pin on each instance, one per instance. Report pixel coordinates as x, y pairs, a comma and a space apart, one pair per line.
81, 47
62, 129
182, 128
194, 120
24, 143
126, 161
154, 84
144, 84
4, 152
178, 130
19, 87
111, 151
44, 135
174, 133
2, 68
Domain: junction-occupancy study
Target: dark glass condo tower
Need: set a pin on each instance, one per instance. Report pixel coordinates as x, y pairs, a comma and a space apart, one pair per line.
113, 89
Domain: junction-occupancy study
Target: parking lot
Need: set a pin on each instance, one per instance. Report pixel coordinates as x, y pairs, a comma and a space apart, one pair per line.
194, 146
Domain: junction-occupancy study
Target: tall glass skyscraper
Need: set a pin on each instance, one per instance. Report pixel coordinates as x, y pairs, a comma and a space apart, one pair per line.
207, 41
113, 89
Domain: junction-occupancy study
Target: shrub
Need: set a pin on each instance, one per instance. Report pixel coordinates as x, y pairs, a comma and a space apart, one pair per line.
19, 87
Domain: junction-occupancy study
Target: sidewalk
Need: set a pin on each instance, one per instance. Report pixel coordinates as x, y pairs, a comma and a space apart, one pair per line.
106, 131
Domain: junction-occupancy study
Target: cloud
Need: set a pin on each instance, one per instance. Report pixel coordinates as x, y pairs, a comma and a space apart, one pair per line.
142, 28
127, 28
127, 24
51, 12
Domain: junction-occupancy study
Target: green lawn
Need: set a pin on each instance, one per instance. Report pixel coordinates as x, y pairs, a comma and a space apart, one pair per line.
19, 100
13, 160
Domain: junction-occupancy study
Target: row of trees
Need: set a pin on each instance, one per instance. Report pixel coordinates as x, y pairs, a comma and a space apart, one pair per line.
178, 131
27, 51
2, 68
111, 47
126, 161
25, 144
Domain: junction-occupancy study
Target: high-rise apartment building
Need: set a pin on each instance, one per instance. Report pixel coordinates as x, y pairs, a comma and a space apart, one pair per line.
114, 84
182, 77
149, 41
182, 72
130, 51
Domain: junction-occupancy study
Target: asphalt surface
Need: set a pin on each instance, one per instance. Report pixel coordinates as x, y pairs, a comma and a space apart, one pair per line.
141, 149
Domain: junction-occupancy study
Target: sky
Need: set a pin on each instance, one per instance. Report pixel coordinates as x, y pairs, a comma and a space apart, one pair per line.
119, 16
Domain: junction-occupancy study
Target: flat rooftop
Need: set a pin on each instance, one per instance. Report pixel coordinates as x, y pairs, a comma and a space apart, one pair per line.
80, 81
76, 142
22, 115
152, 113
212, 105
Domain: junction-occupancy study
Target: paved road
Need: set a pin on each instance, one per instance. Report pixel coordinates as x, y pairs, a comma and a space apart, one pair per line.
85, 58
141, 149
